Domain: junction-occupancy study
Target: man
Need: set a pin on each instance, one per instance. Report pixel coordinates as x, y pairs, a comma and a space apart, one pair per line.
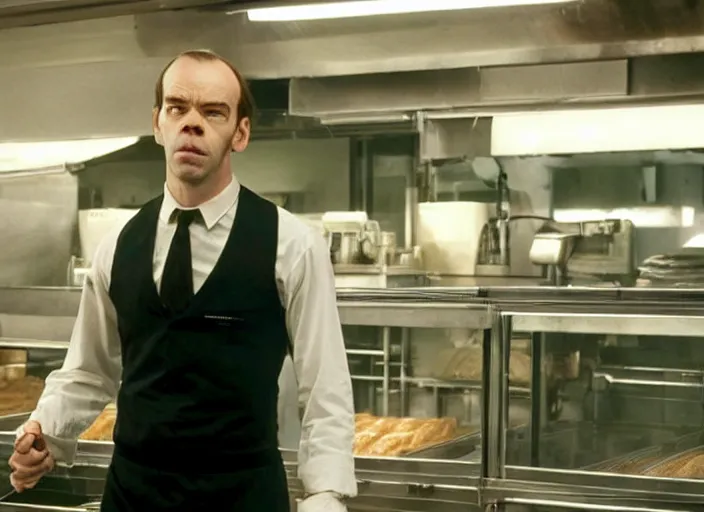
194, 305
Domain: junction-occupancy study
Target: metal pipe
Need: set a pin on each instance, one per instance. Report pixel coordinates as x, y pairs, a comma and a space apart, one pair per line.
503, 214
411, 204
423, 382
403, 376
386, 345
30, 343
536, 401
493, 377
364, 352
368, 177
646, 382
505, 342
436, 402
368, 378
583, 506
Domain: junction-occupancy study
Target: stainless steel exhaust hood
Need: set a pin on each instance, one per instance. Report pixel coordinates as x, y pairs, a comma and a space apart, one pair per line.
16, 13
481, 60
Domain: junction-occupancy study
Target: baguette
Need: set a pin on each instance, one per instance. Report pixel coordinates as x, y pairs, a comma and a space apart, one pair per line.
21, 395
689, 465
102, 428
395, 436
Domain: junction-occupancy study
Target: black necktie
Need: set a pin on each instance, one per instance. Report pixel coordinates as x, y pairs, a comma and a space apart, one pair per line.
177, 279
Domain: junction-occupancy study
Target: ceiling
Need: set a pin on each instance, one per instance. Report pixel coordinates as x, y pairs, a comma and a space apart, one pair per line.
580, 30
94, 76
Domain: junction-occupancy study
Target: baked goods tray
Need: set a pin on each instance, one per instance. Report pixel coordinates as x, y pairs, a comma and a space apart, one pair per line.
644, 460
453, 449
458, 448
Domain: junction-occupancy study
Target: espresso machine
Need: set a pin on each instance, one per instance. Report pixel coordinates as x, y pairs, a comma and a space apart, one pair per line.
493, 258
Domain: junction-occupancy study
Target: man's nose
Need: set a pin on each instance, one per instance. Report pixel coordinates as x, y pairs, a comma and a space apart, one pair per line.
192, 128
193, 124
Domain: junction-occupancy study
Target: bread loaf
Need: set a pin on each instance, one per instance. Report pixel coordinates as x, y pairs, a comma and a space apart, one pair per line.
390, 436
102, 428
688, 465
20, 395
466, 364
692, 469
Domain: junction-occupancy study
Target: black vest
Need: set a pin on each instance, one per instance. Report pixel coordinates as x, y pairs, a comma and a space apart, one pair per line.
201, 389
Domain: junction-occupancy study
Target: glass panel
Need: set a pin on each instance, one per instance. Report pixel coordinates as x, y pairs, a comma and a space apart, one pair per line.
36, 324
22, 374
430, 405
632, 405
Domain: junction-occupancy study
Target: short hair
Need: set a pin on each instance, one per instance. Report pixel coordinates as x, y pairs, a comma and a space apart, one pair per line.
245, 107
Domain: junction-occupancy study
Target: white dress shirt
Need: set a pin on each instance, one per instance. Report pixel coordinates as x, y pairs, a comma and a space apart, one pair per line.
90, 375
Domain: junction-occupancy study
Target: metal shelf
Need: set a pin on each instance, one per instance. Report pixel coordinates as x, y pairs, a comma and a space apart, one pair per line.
623, 324
415, 315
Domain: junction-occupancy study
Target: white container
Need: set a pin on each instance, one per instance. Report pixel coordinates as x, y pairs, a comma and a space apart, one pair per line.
448, 234
94, 224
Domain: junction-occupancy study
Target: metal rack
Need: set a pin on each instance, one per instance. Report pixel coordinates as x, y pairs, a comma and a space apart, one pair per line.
398, 310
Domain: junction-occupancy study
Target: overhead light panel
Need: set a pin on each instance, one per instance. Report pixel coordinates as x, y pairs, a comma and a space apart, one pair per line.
21, 156
598, 130
326, 11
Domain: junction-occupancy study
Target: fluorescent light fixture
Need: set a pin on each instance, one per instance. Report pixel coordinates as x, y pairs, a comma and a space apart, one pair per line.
22, 156
344, 119
326, 11
696, 242
598, 130
642, 217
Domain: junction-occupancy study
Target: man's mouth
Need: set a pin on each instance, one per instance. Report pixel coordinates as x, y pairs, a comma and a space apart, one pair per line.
194, 150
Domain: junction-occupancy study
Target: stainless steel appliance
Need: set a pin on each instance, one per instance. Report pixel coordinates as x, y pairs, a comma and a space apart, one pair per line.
587, 252
363, 256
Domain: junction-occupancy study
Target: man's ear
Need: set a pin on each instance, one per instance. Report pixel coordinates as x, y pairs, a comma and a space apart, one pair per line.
155, 126
240, 140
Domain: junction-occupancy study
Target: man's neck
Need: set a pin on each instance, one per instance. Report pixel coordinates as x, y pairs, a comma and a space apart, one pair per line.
191, 196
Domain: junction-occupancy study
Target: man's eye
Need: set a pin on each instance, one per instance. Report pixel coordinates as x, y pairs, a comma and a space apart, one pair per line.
174, 110
214, 113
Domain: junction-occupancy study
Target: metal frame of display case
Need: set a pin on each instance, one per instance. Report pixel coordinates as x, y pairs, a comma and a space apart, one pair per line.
589, 311
406, 484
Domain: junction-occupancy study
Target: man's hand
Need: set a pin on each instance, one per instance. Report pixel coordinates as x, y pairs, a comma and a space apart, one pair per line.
323, 502
31, 459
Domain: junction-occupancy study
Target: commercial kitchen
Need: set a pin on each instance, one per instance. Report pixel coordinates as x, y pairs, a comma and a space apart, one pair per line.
513, 199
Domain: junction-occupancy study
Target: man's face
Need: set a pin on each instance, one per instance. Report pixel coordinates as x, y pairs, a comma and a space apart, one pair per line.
197, 123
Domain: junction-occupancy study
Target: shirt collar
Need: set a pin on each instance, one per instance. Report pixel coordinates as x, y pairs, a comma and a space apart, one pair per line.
212, 210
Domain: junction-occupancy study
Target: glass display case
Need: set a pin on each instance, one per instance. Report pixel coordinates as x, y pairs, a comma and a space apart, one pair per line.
417, 360
520, 399
616, 399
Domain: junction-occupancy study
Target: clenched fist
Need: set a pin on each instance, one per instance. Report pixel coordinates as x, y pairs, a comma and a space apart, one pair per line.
31, 459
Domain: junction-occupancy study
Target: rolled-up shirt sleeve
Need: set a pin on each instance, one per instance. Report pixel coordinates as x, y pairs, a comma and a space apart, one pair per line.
325, 456
88, 380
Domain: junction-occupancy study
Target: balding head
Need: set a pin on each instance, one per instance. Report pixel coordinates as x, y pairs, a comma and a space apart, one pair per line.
245, 107
202, 113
